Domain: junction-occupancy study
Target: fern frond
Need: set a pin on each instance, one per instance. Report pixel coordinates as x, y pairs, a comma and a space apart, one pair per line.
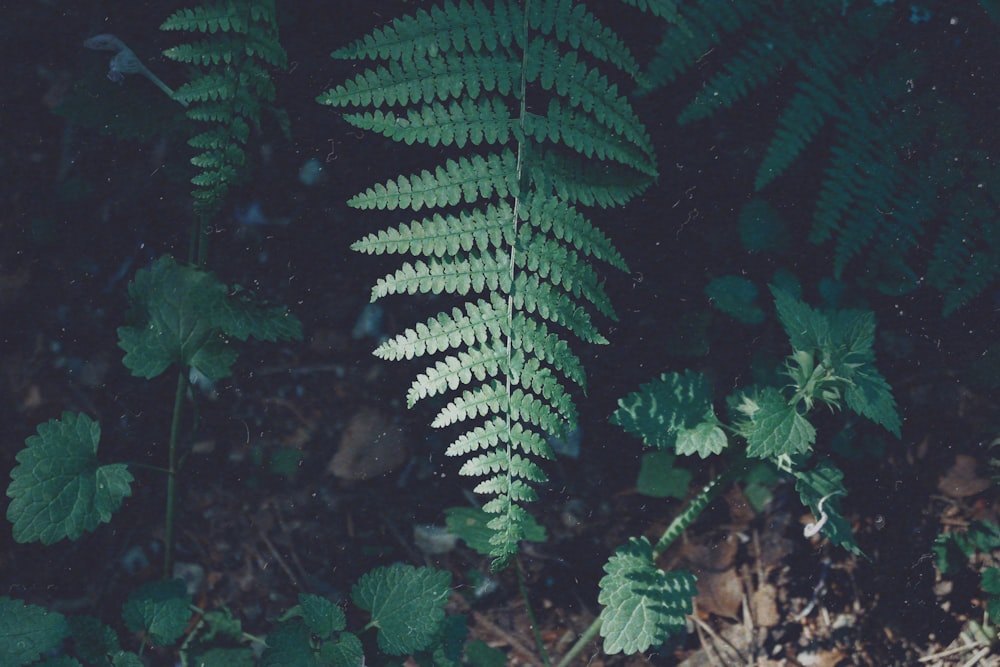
466, 77
231, 89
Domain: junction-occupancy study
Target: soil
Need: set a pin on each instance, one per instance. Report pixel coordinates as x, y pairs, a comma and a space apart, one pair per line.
267, 509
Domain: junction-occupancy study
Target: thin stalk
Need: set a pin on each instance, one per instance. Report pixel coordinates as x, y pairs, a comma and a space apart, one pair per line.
531, 614
680, 523
175, 426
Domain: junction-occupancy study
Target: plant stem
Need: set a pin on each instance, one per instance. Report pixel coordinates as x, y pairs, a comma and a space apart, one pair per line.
175, 425
680, 523
531, 614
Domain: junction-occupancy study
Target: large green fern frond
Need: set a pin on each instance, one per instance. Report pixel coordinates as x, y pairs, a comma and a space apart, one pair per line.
522, 96
233, 86
898, 177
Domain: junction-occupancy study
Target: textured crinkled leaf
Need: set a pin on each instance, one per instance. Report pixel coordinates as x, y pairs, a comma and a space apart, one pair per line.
643, 605
28, 631
806, 328
346, 651
183, 315
159, 609
93, 640
406, 604
321, 615
825, 480
871, 396
775, 428
704, 440
289, 645
58, 489
661, 409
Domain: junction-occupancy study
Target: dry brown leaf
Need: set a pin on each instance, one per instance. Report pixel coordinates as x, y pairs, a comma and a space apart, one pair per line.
372, 445
962, 480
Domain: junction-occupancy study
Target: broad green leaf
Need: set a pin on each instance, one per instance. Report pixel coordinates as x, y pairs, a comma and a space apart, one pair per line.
159, 609
321, 615
406, 604
28, 631
183, 315
774, 428
661, 409
660, 478
93, 640
471, 525
289, 645
735, 296
345, 651
58, 489
825, 480
643, 605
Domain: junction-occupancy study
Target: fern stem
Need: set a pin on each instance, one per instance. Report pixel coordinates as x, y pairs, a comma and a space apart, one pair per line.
522, 586
697, 504
175, 425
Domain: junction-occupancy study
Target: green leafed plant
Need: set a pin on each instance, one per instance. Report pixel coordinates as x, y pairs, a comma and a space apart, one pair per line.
522, 97
831, 365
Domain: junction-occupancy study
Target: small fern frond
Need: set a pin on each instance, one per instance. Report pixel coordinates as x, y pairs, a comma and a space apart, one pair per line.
232, 88
459, 76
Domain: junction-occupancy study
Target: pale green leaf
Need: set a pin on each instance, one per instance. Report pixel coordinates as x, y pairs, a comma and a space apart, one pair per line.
704, 440
470, 524
775, 428
643, 605
58, 489
346, 651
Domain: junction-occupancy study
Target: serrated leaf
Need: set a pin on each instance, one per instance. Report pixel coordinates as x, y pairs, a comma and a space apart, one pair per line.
346, 651
661, 409
406, 604
183, 315
660, 478
28, 631
776, 429
160, 609
643, 605
824, 481
94, 641
704, 440
289, 645
321, 615
471, 525
735, 296
58, 489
